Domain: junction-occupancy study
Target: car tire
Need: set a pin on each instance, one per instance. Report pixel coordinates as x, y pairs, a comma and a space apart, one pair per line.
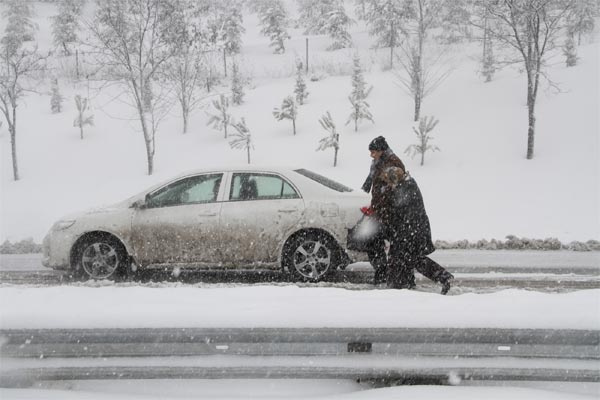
310, 256
100, 258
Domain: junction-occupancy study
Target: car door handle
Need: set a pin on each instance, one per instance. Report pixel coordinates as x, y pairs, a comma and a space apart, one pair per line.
207, 214
287, 210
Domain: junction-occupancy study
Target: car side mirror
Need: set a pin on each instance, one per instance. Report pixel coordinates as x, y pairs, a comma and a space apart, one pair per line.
139, 204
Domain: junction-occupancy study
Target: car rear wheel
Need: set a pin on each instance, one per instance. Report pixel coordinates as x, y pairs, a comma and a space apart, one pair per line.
101, 258
310, 256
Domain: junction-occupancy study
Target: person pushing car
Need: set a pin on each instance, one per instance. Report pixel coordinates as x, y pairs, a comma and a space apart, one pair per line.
386, 174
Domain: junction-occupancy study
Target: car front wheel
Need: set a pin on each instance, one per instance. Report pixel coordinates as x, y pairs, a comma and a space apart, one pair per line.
310, 256
101, 258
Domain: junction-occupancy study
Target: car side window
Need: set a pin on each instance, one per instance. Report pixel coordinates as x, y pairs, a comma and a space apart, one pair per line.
191, 190
246, 186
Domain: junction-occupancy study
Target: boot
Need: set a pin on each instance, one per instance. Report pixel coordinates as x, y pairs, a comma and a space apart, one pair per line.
447, 279
380, 275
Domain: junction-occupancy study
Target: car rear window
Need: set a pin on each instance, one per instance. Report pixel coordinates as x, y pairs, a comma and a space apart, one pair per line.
331, 184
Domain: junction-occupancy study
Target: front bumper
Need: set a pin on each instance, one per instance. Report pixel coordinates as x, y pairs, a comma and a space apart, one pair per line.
56, 249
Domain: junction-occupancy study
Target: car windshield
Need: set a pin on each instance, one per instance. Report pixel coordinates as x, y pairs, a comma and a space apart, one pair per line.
331, 184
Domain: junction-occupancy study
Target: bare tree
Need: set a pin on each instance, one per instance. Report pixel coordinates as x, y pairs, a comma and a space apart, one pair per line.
418, 73
187, 70
19, 64
134, 39
530, 27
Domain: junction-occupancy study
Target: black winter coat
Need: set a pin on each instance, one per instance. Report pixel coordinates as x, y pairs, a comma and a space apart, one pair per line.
408, 224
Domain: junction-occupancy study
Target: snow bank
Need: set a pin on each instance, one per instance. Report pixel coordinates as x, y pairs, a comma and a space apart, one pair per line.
124, 306
273, 390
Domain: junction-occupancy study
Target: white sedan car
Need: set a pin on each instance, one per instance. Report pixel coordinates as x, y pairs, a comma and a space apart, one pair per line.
289, 218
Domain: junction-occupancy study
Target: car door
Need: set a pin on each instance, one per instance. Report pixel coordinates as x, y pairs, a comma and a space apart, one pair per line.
260, 211
179, 223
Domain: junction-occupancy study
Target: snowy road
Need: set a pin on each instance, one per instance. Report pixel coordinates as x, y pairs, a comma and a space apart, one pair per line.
475, 271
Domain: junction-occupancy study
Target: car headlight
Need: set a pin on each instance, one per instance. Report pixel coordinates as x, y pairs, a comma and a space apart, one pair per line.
64, 224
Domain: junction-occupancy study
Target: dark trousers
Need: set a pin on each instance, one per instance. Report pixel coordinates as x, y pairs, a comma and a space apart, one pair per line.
402, 265
378, 259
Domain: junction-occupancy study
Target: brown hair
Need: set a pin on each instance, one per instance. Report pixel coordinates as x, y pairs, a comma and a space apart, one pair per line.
393, 175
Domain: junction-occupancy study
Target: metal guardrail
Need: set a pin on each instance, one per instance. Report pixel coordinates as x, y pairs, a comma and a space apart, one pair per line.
440, 354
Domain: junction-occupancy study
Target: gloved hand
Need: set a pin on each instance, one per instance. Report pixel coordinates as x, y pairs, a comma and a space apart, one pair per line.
367, 210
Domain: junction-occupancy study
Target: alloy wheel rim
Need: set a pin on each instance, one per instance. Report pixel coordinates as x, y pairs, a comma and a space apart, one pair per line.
312, 259
100, 260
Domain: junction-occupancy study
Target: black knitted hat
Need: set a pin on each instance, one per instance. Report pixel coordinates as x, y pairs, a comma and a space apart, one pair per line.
378, 144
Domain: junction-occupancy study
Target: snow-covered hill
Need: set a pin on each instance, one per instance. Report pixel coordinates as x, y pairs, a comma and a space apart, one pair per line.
478, 186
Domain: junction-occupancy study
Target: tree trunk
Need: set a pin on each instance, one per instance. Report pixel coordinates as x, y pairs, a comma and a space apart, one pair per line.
392, 44
148, 140
80, 126
225, 129
77, 64
13, 142
335, 158
422, 158
294, 125
185, 122
531, 97
248, 150
417, 106
356, 124
150, 157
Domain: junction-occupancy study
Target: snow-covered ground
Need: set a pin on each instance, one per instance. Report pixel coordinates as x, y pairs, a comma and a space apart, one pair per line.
107, 305
291, 389
478, 186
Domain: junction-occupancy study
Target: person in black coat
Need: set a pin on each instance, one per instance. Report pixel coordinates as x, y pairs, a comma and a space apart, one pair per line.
410, 234
383, 158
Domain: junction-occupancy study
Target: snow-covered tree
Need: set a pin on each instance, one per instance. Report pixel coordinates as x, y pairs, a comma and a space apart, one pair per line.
300, 89
66, 23
333, 140
56, 98
570, 51
18, 65
582, 18
222, 118
237, 85
135, 39
288, 110
232, 25
337, 25
386, 19
274, 21
84, 117
426, 125
241, 138
358, 97
224, 20
19, 26
314, 15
